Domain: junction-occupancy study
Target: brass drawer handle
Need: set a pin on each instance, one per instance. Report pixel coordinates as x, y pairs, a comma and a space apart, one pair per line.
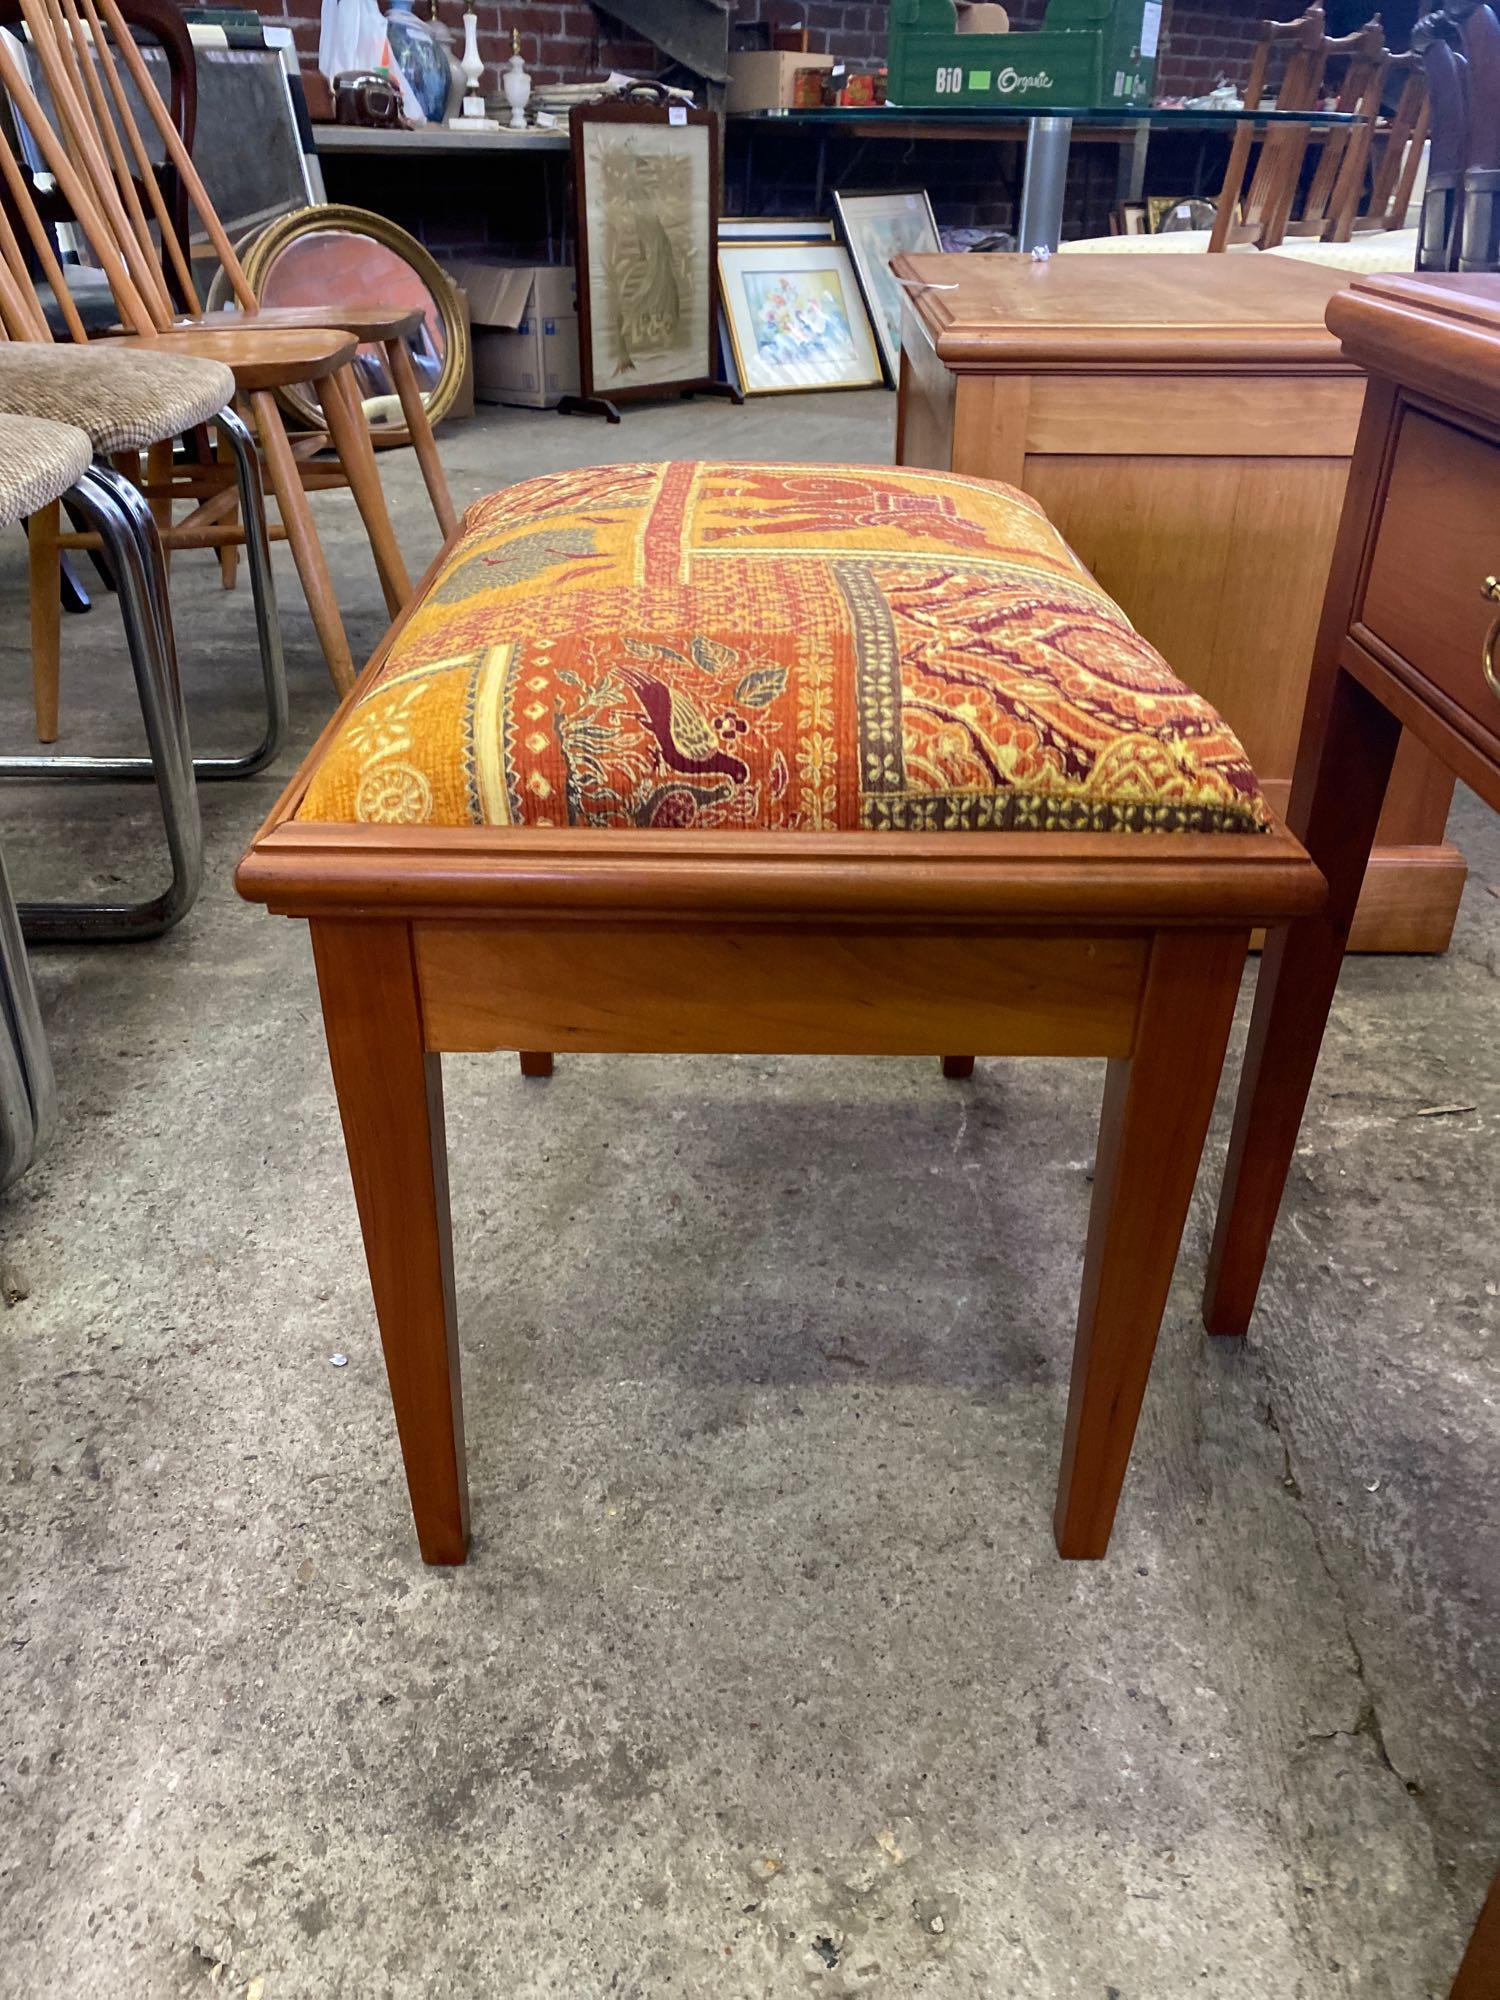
1490, 589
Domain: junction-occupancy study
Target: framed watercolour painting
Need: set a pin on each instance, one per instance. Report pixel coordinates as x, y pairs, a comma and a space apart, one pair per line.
645, 183
774, 229
877, 227
796, 318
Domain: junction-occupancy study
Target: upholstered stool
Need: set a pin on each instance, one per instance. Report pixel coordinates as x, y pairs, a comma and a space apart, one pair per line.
787, 759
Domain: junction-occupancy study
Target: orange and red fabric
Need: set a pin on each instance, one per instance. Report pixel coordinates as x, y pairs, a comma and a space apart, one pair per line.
791, 647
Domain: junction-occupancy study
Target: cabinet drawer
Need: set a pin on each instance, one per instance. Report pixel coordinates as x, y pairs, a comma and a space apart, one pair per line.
1439, 539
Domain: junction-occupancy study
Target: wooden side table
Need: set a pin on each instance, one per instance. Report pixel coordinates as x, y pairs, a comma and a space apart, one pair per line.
1410, 639
1187, 422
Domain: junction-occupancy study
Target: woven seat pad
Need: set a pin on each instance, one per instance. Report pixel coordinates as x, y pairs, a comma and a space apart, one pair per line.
124, 401
39, 461
798, 647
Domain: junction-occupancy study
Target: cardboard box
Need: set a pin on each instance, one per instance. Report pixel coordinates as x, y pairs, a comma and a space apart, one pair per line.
525, 330
761, 79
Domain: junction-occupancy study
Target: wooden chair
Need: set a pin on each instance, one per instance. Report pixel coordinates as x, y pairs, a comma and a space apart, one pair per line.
385, 327
1288, 73
706, 758
86, 157
1432, 113
1272, 192
1333, 194
1401, 142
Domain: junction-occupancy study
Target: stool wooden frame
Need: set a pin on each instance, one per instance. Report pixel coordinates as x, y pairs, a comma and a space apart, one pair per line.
431, 940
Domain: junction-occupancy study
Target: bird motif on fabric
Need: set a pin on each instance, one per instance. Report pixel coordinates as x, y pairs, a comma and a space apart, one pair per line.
688, 743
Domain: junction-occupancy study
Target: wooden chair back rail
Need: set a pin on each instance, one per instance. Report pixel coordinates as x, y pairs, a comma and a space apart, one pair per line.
171, 228
1262, 212
80, 53
1303, 40
1395, 174
20, 308
18, 202
83, 72
21, 315
177, 152
162, 21
85, 149
132, 307
1336, 183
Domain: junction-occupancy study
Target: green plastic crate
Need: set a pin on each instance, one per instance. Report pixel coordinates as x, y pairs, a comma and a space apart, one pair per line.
1091, 54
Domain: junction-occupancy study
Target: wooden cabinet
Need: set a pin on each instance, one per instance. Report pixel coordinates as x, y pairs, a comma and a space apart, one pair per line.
1188, 423
1434, 610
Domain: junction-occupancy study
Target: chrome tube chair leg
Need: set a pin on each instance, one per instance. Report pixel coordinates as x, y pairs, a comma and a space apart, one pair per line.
28, 1093
263, 595
123, 522
252, 500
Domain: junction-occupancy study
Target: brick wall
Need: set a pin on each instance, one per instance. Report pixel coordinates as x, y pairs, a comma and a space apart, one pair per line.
563, 42
1205, 40
570, 39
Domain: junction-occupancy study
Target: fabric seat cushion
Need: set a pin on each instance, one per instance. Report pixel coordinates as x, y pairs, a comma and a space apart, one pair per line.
798, 647
1169, 243
39, 461
125, 401
1376, 250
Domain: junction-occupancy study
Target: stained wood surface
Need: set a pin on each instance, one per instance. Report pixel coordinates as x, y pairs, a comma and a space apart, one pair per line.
391, 1102
1205, 313
1226, 417
1207, 504
372, 322
1156, 1110
1433, 332
260, 359
925, 881
1479, 1974
774, 992
1441, 501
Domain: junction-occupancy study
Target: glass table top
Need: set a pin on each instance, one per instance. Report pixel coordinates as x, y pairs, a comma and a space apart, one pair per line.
1175, 117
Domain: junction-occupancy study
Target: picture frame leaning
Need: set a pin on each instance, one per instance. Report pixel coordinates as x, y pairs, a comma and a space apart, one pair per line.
796, 318
877, 224
645, 189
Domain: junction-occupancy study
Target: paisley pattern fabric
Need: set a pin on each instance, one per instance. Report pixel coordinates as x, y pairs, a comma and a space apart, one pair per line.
795, 647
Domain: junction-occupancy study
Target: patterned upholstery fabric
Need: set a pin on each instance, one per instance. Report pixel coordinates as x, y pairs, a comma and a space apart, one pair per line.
796, 647
124, 401
39, 461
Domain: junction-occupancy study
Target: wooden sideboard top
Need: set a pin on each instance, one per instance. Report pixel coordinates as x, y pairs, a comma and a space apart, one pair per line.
1436, 332
995, 314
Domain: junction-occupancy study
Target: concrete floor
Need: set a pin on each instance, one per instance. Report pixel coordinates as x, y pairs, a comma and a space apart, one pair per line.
763, 1677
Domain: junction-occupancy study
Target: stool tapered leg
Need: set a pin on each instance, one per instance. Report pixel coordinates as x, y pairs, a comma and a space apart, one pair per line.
390, 1096
1157, 1104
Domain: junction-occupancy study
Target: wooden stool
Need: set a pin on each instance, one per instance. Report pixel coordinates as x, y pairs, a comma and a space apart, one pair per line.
774, 759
